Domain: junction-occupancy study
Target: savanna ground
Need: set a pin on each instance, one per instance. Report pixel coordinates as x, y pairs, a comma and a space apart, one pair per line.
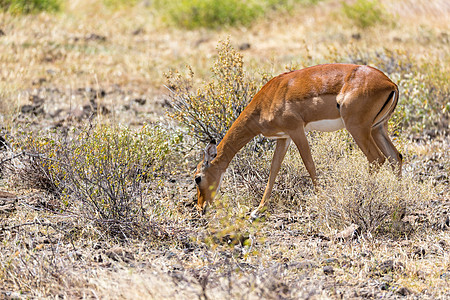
105, 124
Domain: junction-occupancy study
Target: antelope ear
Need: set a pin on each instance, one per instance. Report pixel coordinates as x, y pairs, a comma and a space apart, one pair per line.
198, 179
210, 153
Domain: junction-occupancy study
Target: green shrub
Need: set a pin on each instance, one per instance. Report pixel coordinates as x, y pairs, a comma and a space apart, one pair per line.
30, 6
211, 13
215, 14
117, 4
101, 171
365, 13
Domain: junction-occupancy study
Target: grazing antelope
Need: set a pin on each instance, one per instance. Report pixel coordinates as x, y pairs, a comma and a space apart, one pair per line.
325, 98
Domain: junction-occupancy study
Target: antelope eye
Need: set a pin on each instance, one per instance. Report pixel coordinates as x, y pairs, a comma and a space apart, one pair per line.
198, 179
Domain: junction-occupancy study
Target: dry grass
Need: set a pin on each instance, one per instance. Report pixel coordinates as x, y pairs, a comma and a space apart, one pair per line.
90, 64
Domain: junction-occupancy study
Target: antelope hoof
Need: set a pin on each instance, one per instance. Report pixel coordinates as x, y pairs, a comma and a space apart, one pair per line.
254, 215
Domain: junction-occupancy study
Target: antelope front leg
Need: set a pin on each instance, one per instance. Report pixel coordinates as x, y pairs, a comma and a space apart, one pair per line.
278, 156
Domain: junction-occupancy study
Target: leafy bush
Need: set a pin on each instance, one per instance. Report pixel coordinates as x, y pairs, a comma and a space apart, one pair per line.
105, 169
116, 4
210, 111
215, 14
30, 6
210, 13
365, 13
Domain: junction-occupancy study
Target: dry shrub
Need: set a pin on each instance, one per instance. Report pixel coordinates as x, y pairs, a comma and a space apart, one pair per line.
102, 172
249, 173
249, 170
350, 193
209, 112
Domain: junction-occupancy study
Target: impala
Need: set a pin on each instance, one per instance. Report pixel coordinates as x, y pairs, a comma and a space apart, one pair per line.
325, 98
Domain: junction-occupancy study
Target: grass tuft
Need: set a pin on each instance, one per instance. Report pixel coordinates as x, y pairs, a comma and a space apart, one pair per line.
30, 6
365, 13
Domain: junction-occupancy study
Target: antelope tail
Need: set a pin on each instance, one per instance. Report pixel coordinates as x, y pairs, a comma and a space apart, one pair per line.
388, 108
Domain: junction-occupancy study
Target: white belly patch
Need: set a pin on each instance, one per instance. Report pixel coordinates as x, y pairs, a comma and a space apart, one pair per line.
322, 125
325, 125
278, 135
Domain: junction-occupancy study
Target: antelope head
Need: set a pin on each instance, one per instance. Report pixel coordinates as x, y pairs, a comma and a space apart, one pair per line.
206, 178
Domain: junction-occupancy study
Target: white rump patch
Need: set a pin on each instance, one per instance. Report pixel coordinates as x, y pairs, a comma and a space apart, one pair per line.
325, 125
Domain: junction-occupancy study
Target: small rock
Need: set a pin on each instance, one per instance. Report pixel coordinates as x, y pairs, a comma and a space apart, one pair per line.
26, 109
390, 266
349, 233
384, 286
421, 275
445, 276
419, 252
94, 37
403, 291
170, 255
386, 266
447, 222
35, 109
38, 81
330, 261
140, 101
244, 46
356, 36
138, 31
365, 293
366, 253
7, 195
279, 225
2, 33
119, 254
306, 264
328, 270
